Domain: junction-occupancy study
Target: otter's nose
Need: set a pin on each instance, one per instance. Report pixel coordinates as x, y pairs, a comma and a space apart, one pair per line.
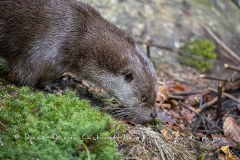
154, 115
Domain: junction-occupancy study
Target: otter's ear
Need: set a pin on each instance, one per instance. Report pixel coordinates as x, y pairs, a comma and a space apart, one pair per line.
128, 76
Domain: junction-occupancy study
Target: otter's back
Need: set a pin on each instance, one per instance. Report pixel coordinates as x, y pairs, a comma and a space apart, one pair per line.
26, 22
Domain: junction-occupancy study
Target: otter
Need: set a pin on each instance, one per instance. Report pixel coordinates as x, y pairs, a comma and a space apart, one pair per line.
43, 39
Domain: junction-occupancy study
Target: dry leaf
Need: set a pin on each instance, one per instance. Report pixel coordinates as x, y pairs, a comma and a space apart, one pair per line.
178, 87
166, 134
163, 93
163, 89
231, 128
228, 153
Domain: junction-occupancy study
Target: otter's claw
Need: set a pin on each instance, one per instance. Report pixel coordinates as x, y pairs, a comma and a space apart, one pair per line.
61, 84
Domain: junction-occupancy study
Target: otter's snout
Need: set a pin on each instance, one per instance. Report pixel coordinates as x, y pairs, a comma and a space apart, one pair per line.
153, 114
148, 114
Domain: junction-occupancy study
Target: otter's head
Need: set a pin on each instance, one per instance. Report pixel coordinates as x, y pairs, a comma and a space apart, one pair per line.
130, 77
137, 88
114, 62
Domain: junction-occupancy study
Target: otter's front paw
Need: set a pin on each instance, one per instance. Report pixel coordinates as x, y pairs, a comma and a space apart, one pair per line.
61, 84
54, 88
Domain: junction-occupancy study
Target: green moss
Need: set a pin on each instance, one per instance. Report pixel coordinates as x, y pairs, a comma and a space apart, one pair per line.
200, 54
202, 1
201, 157
205, 3
35, 125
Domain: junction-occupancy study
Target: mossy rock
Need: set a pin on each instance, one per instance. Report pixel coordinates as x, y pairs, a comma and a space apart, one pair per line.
35, 125
200, 54
208, 4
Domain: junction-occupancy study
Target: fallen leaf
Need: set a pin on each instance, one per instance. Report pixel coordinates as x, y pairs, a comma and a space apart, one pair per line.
178, 87
166, 134
228, 153
163, 93
231, 128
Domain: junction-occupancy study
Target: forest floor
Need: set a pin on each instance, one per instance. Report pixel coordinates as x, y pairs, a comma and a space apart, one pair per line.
187, 126
193, 102
198, 114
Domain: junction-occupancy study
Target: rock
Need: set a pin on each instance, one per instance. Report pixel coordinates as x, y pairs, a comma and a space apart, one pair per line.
167, 22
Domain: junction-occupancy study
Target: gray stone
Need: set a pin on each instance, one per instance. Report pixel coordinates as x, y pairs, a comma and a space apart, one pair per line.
167, 22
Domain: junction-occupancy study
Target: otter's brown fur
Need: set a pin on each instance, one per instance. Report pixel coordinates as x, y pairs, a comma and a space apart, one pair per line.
44, 39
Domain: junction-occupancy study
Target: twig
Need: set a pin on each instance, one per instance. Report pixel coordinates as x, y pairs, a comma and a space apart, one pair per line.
196, 124
219, 104
228, 66
176, 97
151, 44
232, 86
208, 104
213, 78
221, 43
226, 95
215, 100
148, 51
187, 93
233, 83
186, 106
204, 124
207, 131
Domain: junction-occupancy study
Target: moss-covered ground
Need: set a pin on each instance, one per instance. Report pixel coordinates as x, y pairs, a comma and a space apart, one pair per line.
36, 125
200, 54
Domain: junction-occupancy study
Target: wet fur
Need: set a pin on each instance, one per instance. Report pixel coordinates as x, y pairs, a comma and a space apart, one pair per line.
43, 39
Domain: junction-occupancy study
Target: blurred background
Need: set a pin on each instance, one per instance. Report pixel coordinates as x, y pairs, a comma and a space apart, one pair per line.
180, 47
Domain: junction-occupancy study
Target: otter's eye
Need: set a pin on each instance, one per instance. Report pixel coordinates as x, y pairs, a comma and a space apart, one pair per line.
144, 99
128, 77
